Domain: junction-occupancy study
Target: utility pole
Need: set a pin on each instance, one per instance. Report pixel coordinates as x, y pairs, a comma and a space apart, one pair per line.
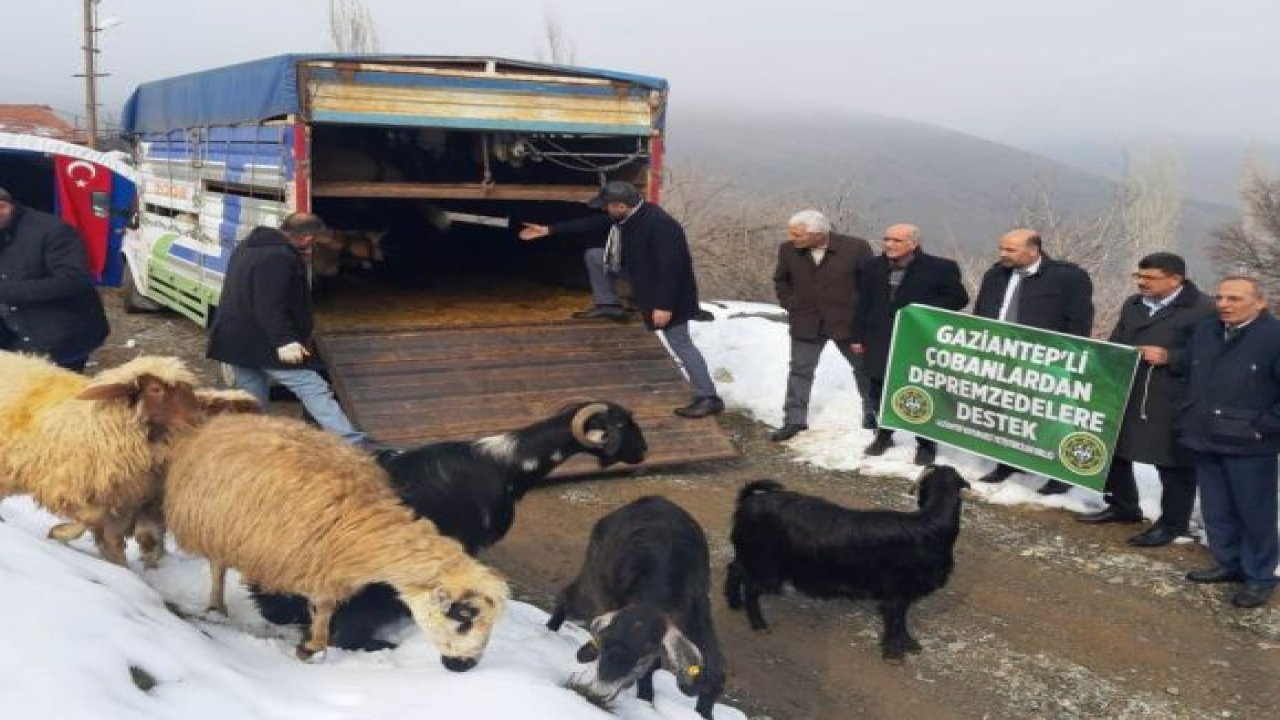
91, 74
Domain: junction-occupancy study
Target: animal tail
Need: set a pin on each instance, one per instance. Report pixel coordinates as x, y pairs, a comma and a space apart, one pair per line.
759, 487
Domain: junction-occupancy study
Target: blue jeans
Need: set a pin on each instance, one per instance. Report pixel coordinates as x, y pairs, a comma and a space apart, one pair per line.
311, 390
1238, 503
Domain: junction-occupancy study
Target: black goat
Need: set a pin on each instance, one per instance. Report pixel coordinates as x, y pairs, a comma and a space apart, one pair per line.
469, 490
825, 550
644, 587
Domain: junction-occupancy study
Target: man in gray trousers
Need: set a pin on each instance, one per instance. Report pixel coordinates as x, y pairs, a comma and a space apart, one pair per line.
817, 284
646, 246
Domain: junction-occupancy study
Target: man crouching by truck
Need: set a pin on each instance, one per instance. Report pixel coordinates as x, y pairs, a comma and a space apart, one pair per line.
646, 246
263, 325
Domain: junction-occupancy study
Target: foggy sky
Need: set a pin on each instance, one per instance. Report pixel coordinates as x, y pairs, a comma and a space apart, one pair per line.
1009, 70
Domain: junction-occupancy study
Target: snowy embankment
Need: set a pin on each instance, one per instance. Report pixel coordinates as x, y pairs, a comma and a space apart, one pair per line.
88, 640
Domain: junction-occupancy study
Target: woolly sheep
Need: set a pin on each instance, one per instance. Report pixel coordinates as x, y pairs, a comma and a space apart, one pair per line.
85, 448
297, 510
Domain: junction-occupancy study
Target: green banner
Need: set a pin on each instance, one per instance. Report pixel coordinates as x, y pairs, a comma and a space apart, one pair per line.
1041, 401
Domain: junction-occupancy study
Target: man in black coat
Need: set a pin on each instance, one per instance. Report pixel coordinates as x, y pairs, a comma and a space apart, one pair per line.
1231, 422
48, 302
903, 275
1029, 288
816, 278
263, 325
1158, 322
647, 247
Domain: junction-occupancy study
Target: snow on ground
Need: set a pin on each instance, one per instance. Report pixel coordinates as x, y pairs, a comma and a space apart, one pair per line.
75, 625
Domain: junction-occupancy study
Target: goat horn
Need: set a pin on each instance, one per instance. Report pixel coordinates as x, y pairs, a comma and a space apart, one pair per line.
579, 424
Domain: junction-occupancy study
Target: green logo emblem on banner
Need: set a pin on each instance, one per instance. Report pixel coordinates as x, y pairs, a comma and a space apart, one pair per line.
1041, 401
913, 404
1083, 454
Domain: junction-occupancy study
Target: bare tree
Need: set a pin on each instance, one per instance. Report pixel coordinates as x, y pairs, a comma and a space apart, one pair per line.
558, 47
351, 27
1150, 201
734, 235
1251, 245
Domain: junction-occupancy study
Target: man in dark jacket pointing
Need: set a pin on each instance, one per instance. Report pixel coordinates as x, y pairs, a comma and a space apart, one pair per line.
648, 247
1158, 321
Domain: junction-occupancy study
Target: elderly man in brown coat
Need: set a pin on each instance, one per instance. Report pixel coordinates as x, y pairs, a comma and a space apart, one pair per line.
817, 283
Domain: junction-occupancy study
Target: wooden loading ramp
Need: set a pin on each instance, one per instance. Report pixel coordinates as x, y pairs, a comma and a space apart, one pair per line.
409, 387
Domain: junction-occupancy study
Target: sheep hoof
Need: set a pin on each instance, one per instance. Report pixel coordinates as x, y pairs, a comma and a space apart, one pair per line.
306, 654
68, 531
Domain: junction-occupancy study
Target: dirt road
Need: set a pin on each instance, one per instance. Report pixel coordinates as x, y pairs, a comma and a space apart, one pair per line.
1043, 618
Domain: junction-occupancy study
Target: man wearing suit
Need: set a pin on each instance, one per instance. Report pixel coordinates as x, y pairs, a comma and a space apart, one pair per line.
903, 275
816, 279
1158, 322
1231, 422
1029, 288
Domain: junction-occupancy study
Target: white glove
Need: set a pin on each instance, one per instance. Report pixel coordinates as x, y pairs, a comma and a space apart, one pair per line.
292, 354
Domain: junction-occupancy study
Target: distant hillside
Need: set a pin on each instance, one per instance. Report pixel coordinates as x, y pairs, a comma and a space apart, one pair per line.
1212, 167
956, 187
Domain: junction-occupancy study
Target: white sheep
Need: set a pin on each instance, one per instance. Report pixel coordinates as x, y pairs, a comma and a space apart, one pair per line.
85, 449
297, 510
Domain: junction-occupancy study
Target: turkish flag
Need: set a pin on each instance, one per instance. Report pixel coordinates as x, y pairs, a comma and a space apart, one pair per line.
84, 201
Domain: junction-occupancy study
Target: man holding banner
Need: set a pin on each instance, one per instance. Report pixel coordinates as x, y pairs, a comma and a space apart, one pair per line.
1158, 322
903, 275
1027, 287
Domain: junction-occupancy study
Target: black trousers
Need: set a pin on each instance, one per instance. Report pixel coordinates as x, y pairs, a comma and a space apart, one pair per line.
875, 388
1176, 500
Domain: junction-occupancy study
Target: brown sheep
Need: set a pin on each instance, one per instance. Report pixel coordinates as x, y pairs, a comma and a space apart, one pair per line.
148, 527
298, 510
85, 448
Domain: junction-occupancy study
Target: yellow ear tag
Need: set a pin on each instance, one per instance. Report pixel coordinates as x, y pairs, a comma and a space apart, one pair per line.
693, 671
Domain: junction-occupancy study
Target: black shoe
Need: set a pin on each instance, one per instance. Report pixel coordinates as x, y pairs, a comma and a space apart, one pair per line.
869, 421
1155, 536
1217, 574
1253, 594
926, 453
701, 407
703, 316
1054, 487
788, 431
1111, 514
1000, 474
882, 442
602, 312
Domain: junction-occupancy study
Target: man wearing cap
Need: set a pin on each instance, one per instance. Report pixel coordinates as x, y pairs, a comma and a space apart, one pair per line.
263, 325
48, 302
647, 247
